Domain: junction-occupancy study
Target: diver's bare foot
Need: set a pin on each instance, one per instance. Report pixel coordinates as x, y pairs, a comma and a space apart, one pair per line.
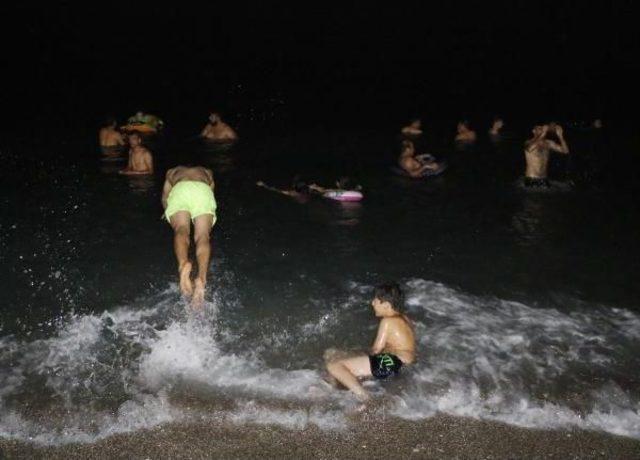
197, 301
185, 279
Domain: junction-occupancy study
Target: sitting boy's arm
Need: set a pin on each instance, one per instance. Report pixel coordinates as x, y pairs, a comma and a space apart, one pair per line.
381, 338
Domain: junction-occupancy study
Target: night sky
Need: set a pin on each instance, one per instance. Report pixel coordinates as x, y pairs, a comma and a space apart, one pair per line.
338, 63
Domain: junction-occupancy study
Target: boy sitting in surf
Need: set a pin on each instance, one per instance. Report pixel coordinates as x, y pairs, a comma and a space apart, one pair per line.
393, 347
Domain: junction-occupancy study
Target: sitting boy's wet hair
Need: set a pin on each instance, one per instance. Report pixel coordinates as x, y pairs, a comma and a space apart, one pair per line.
390, 292
110, 121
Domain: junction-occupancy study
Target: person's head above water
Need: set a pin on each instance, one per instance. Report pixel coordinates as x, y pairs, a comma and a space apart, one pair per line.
134, 139
407, 147
299, 185
540, 130
346, 183
388, 300
498, 123
463, 126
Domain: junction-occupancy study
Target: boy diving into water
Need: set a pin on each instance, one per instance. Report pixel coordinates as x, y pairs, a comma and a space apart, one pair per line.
187, 196
393, 347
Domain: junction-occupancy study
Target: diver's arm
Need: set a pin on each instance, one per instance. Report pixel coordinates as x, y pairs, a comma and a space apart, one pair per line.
166, 189
209, 174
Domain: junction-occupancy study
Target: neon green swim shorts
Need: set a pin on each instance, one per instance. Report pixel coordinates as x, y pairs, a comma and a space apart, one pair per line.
195, 197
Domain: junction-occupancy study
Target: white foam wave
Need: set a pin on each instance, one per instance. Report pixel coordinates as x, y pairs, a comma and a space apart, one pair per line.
484, 358
505, 361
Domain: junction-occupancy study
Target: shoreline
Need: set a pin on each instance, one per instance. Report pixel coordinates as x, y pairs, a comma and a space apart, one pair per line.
442, 436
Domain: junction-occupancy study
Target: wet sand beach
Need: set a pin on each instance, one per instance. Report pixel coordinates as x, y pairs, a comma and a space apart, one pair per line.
439, 437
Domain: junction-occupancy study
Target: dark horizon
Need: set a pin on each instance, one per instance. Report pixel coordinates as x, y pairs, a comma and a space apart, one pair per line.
332, 66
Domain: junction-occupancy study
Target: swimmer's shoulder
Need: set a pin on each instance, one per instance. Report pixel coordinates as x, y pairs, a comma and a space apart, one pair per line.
172, 174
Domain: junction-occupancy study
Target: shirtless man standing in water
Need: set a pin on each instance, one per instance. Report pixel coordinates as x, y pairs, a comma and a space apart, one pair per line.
187, 196
140, 159
536, 153
218, 130
109, 136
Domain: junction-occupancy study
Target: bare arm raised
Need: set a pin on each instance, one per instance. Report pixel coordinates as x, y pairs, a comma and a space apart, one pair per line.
559, 148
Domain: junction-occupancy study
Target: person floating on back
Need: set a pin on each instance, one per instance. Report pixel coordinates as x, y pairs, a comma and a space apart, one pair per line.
393, 347
464, 133
187, 196
109, 136
496, 127
413, 129
301, 191
217, 130
140, 158
415, 165
536, 153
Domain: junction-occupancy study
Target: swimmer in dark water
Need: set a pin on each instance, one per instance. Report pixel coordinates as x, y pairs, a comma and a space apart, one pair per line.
217, 130
109, 136
536, 152
496, 127
413, 129
393, 347
299, 190
187, 197
415, 165
464, 133
140, 158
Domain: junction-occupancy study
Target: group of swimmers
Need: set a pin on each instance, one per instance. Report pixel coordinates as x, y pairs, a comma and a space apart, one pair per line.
187, 193
546, 138
188, 201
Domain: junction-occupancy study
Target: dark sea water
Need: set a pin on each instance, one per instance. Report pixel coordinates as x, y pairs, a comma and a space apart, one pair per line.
525, 303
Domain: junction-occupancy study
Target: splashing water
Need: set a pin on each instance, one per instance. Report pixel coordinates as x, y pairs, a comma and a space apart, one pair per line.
132, 368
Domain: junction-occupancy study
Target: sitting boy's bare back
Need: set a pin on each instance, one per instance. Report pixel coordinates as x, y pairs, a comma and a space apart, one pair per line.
397, 338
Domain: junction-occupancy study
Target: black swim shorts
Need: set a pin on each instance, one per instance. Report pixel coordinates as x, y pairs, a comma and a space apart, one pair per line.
384, 364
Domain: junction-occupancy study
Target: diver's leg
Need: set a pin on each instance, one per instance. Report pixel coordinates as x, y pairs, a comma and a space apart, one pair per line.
181, 223
202, 229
